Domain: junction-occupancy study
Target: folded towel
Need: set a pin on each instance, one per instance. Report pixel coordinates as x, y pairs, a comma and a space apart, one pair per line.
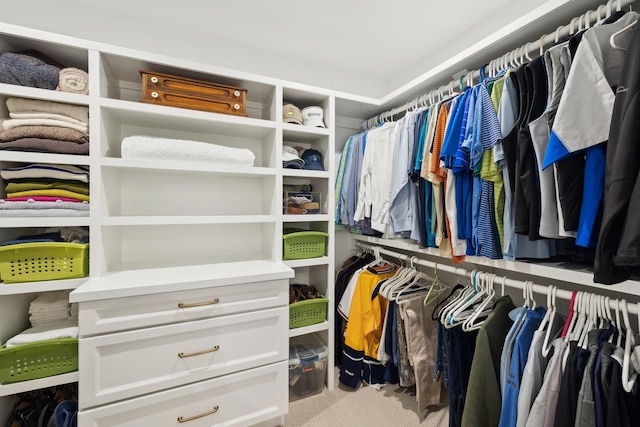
39, 145
45, 132
49, 116
14, 187
29, 68
39, 213
46, 298
147, 147
73, 80
26, 105
13, 123
54, 171
52, 193
47, 331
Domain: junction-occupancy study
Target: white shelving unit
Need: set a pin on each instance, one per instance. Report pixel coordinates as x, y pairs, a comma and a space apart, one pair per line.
171, 222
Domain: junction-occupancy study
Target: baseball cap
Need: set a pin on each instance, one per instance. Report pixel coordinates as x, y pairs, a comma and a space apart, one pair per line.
313, 116
291, 114
312, 160
290, 158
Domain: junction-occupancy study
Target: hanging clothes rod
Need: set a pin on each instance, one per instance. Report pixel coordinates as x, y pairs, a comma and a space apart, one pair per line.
633, 308
584, 21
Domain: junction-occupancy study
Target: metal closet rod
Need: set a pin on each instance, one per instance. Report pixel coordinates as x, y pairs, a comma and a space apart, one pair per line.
583, 21
512, 283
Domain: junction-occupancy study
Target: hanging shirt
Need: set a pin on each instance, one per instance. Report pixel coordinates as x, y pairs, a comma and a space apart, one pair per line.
344, 159
401, 205
464, 176
349, 193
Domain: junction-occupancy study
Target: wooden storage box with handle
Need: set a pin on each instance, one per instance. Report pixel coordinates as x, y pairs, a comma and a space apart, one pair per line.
174, 91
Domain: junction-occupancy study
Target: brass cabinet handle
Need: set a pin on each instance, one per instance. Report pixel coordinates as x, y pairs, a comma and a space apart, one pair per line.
182, 419
211, 350
199, 304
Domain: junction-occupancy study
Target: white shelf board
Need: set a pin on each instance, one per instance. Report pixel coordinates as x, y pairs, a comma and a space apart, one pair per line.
303, 173
10, 389
297, 133
45, 94
168, 279
305, 218
78, 221
308, 262
45, 286
559, 271
301, 131
305, 330
191, 167
153, 116
186, 220
29, 157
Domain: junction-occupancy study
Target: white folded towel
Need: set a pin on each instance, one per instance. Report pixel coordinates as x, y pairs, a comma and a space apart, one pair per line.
13, 123
148, 147
51, 297
46, 331
73, 80
51, 116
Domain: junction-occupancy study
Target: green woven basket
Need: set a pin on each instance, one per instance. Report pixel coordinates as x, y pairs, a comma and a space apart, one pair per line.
40, 359
303, 244
307, 312
33, 262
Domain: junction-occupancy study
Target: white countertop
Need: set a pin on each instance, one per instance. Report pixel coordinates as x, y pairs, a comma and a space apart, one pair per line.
159, 280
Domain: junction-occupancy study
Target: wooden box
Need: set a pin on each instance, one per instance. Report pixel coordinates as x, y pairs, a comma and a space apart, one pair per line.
173, 91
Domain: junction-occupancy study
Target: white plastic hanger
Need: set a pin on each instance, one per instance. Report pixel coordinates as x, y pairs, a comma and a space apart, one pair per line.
551, 308
612, 39
628, 378
462, 296
463, 310
479, 315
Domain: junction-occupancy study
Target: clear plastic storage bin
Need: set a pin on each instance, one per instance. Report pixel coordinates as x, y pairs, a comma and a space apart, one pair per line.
307, 366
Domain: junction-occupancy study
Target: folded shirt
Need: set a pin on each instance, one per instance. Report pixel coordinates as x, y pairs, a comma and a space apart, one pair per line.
76, 187
45, 331
45, 132
53, 171
28, 105
50, 193
38, 145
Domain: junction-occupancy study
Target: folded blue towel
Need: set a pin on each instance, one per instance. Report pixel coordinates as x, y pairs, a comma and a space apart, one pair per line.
29, 68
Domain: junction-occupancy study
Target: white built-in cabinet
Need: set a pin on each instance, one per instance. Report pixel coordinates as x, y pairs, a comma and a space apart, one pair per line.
185, 257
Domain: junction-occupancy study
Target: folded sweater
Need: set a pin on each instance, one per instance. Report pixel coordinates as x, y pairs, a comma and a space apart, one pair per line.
50, 193
40, 145
29, 68
54, 171
76, 187
46, 132
13, 123
26, 105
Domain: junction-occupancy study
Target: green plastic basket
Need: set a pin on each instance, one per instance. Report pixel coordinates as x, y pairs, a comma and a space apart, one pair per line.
307, 312
303, 244
40, 359
32, 262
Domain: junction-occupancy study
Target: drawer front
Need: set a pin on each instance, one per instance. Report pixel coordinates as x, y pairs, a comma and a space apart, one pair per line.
155, 81
243, 399
126, 364
120, 314
175, 99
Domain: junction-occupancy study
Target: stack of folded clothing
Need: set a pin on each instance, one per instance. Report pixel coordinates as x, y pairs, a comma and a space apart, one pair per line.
73, 311
45, 126
45, 190
65, 234
49, 307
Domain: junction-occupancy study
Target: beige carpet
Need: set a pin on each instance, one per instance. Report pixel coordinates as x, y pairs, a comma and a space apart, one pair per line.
391, 406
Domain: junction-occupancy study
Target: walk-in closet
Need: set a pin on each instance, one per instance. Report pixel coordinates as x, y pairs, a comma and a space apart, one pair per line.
345, 213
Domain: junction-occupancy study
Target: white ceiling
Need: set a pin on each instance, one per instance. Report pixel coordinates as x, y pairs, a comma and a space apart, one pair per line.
363, 47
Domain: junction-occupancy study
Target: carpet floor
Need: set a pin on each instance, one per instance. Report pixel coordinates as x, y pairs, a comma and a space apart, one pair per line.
391, 406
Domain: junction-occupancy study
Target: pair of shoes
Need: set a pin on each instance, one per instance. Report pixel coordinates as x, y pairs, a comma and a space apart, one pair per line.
299, 292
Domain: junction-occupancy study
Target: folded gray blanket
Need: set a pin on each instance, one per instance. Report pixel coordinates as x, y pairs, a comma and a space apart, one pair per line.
29, 68
41, 145
46, 132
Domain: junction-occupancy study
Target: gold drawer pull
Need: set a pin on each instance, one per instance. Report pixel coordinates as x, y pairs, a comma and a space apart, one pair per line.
199, 304
211, 350
182, 419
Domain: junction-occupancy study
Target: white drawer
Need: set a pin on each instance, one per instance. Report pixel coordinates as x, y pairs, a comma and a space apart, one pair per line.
127, 364
119, 314
243, 399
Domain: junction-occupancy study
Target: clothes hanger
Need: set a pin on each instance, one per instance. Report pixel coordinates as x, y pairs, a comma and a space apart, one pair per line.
480, 314
612, 39
436, 282
465, 309
628, 378
445, 317
465, 293
590, 321
541, 44
573, 316
551, 308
